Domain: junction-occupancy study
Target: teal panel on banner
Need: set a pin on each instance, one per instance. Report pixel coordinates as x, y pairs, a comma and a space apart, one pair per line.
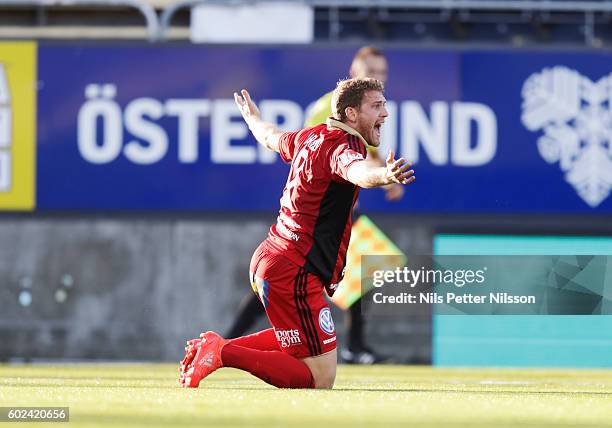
522, 340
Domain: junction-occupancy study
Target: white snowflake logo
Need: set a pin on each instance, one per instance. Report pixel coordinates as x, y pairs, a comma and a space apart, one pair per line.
576, 117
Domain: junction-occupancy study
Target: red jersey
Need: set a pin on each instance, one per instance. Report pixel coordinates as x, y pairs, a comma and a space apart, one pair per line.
313, 228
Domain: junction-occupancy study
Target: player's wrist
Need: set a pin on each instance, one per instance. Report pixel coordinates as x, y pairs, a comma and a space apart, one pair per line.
389, 177
386, 177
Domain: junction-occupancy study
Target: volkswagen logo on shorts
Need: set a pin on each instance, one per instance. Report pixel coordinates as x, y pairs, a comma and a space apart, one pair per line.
326, 322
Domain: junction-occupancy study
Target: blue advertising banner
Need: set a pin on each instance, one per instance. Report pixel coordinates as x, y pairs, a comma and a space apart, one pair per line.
155, 128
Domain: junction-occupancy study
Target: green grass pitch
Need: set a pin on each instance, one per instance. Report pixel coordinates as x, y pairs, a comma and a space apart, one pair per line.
149, 395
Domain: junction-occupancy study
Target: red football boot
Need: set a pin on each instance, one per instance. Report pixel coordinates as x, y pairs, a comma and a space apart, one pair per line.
207, 359
190, 352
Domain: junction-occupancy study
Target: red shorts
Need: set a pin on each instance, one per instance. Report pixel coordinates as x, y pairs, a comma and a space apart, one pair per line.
294, 302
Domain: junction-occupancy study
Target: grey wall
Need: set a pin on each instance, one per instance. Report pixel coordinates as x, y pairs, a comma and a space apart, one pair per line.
136, 288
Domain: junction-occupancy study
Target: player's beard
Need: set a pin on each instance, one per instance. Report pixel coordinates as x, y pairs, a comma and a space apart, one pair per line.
370, 134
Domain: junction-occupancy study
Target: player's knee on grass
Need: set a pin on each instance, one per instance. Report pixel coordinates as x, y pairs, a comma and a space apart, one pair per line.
323, 369
326, 380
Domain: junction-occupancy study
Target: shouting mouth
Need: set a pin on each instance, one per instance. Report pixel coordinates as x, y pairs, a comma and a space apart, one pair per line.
377, 130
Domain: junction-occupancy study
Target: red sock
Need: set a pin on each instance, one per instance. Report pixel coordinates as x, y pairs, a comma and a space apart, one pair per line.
274, 367
264, 340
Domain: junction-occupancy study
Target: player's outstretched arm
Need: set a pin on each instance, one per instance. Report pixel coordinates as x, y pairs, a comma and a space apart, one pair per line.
266, 134
364, 174
393, 192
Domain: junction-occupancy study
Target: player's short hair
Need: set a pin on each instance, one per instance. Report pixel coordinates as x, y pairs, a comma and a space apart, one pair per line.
350, 93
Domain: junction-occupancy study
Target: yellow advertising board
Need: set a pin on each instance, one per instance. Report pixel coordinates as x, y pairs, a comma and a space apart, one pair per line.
17, 126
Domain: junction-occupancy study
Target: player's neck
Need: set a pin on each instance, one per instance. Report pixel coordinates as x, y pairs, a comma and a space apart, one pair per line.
336, 124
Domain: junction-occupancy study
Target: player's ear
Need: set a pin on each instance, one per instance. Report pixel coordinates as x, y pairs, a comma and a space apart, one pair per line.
351, 114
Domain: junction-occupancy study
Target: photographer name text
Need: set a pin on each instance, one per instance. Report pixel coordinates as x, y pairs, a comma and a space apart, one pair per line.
452, 298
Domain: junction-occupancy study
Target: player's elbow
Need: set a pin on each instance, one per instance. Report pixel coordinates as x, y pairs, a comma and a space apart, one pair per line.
272, 142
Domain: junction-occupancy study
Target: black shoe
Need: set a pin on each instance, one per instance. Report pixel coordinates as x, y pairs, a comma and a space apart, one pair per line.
361, 356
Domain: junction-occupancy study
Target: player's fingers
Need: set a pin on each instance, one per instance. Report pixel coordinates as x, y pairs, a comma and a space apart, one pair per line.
405, 174
247, 96
401, 178
401, 170
409, 179
405, 166
390, 157
397, 163
239, 100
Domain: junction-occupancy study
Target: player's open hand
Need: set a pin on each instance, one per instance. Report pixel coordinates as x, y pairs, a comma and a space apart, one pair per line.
398, 171
246, 105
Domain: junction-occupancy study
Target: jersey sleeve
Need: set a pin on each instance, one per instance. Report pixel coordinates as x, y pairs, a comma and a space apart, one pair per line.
344, 156
286, 145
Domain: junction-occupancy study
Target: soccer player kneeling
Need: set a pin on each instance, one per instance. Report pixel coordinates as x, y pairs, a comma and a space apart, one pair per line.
305, 251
